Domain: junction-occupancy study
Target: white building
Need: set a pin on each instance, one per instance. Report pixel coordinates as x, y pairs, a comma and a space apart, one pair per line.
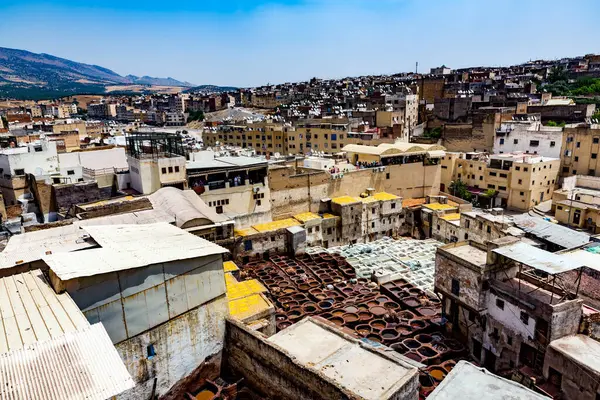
528, 137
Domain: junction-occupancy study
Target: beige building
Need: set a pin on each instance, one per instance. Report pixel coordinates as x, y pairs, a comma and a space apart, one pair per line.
517, 181
71, 126
580, 149
577, 203
267, 138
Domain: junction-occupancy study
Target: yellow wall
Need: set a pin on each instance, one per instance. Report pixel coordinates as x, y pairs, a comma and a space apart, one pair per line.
579, 143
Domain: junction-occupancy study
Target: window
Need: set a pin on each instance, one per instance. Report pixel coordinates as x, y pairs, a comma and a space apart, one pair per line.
466, 236
503, 176
578, 145
393, 206
219, 209
520, 181
565, 170
569, 139
596, 140
177, 168
501, 141
387, 175
524, 317
19, 171
70, 172
438, 227
491, 187
272, 238
522, 193
501, 187
552, 143
467, 224
489, 229
163, 170
455, 287
372, 224
170, 170
329, 231
373, 210
480, 225
592, 172
594, 156
471, 316
493, 174
559, 207
574, 172
525, 169
534, 143
576, 158
508, 340
516, 141
481, 178
518, 168
500, 304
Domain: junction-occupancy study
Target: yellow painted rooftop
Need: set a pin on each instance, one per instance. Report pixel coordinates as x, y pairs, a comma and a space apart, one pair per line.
307, 216
342, 200
383, 196
451, 217
438, 206
327, 215
229, 266
244, 232
275, 225
246, 307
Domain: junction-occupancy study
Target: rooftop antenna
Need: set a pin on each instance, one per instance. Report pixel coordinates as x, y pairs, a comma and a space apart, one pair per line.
417, 67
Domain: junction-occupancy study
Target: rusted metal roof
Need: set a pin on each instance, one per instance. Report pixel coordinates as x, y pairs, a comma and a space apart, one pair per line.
77, 365
537, 258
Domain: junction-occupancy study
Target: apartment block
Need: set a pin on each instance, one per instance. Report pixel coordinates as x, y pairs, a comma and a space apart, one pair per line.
580, 149
517, 181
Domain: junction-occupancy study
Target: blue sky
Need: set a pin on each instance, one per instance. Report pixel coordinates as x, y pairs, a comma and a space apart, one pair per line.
248, 43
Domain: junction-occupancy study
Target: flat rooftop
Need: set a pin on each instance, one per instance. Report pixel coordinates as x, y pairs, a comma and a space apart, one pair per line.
580, 349
345, 361
469, 253
468, 382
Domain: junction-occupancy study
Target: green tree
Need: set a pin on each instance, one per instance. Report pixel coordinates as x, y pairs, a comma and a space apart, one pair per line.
557, 73
196, 116
459, 189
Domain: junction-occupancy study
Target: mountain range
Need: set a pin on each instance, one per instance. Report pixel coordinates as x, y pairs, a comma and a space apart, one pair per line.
27, 75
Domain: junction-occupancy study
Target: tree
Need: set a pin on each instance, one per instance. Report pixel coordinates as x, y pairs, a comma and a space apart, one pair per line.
196, 116
557, 73
459, 189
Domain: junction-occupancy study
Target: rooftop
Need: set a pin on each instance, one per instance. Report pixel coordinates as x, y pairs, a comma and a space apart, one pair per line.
438, 206
537, 258
130, 246
343, 200
347, 362
467, 252
80, 364
468, 382
553, 233
31, 311
452, 217
581, 349
276, 225
413, 202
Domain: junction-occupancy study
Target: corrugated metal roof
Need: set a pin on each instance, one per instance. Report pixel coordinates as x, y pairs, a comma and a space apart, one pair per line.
76, 365
537, 258
130, 246
553, 233
31, 311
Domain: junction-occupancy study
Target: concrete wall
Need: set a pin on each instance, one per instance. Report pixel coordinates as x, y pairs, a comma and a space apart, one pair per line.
577, 383
276, 374
520, 137
182, 345
144, 175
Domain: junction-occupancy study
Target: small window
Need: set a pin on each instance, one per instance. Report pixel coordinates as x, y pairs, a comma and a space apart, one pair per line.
559, 207
522, 193
455, 287
170, 170
387, 175
500, 304
520, 181
508, 340
596, 140
552, 143
489, 229
576, 158
471, 316
272, 238
329, 231
501, 141
177, 168
525, 317
247, 245
565, 170
578, 145
372, 224
219, 209
518, 168
393, 206
525, 169
466, 236
163, 170
19, 171
310, 230
70, 172
516, 141
594, 156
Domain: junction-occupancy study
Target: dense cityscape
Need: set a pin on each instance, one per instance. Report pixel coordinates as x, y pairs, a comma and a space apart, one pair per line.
427, 234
